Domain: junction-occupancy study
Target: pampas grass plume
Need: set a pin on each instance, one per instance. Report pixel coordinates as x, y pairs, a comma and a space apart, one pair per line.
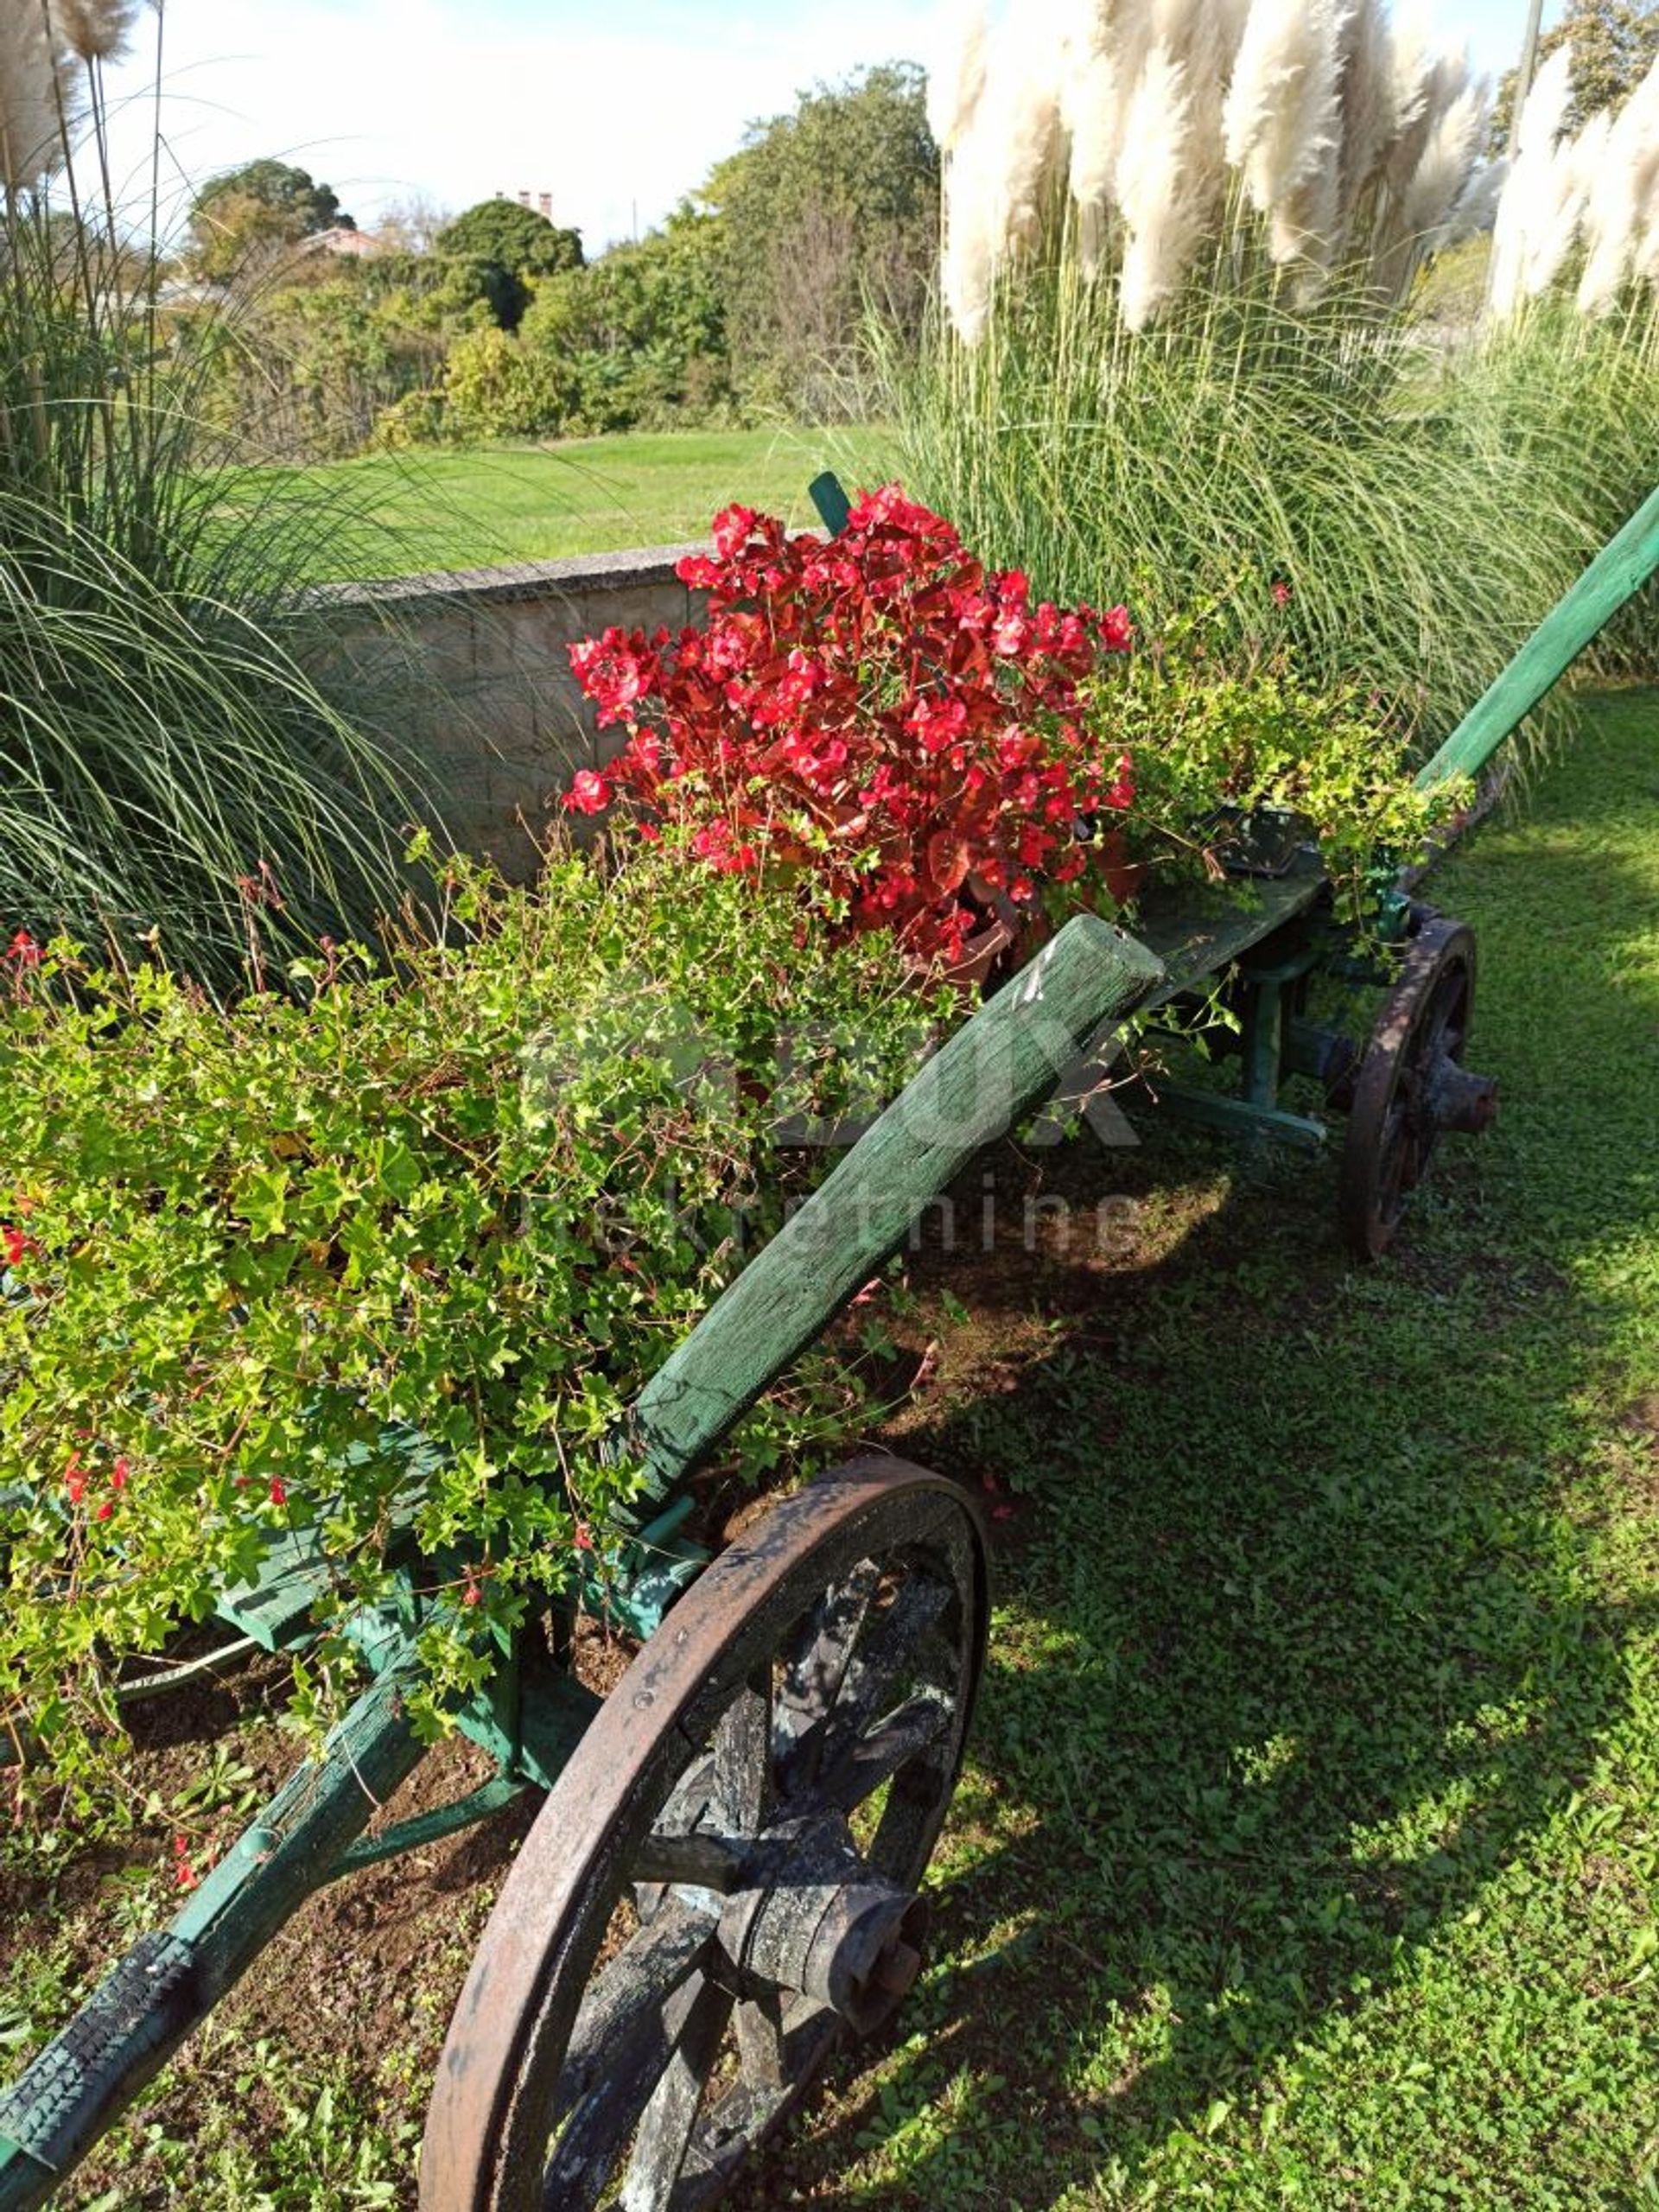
31, 133
1159, 190
956, 82
1527, 206
94, 30
1622, 197
1281, 122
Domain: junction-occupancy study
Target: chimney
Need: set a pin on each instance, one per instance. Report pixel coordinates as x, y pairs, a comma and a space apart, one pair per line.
524, 199
545, 201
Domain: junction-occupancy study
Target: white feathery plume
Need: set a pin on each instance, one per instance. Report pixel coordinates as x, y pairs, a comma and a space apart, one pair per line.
1441, 86
1002, 174
1525, 207
1034, 148
1576, 163
1204, 36
31, 133
1093, 91
968, 261
1437, 183
1159, 190
1367, 92
955, 82
94, 30
1619, 198
1476, 206
1093, 135
1281, 122
1411, 67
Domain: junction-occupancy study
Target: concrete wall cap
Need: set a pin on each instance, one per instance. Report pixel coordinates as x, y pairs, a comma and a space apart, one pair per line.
642, 565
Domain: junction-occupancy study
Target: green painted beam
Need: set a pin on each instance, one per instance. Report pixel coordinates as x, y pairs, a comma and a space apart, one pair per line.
141, 2012
1617, 574
991, 1071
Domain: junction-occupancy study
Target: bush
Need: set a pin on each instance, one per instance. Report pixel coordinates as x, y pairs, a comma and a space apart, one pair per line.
390, 1256
494, 388
1209, 744
876, 721
419, 418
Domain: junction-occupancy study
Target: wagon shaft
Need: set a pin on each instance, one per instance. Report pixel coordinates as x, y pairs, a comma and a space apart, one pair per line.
1616, 574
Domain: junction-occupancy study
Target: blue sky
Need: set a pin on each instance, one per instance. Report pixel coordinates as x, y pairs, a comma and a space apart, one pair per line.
615, 110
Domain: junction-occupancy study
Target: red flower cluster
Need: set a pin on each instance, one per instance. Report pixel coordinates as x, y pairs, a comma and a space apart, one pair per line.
878, 712
74, 1483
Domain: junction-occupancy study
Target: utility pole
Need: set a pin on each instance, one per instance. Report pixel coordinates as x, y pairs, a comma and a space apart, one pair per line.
1523, 75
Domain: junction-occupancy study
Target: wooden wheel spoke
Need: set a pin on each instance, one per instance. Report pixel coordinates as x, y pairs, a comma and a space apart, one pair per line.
691, 1860
609, 2116
878, 1668
742, 1789
760, 2023
665, 2129
811, 1678
622, 2016
860, 1769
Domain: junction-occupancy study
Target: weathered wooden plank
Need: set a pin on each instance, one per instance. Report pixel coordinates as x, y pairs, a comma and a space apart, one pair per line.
1198, 934
74, 2088
1618, 572
995, 1067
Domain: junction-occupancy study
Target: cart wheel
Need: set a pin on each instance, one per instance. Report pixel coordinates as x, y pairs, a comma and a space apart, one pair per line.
1411, 1085
725, 1878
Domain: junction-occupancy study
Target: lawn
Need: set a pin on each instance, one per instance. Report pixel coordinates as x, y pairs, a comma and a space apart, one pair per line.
1308, 1847
406, 514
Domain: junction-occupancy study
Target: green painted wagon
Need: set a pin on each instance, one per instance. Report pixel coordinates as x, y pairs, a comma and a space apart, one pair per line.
725, 1876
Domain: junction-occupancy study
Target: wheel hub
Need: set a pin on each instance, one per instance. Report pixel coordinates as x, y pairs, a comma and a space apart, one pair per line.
813, 1918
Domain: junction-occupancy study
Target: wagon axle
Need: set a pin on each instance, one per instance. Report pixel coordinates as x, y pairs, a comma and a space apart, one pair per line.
819, 1923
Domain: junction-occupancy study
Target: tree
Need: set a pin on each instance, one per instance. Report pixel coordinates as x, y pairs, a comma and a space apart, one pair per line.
513, 245
1614, 45
253, 214
411, 225
818, 208
642, 329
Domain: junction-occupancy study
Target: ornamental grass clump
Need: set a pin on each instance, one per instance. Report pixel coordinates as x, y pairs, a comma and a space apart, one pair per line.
1204, 362
876, 722
386, 1256
162, 733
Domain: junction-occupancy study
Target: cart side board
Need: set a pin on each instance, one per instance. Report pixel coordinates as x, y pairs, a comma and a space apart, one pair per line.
994, 1068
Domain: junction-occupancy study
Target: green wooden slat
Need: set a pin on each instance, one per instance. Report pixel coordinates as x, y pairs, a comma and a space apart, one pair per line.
1617, 574
992, 1071
66, 2098
1196, 935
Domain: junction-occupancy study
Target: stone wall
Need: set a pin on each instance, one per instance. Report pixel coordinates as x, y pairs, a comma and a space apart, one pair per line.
472, 668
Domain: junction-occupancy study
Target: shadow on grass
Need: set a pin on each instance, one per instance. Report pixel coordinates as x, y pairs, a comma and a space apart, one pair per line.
1302, 1644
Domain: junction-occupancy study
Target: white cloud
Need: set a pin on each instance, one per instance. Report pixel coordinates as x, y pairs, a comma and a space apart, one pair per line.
386, 98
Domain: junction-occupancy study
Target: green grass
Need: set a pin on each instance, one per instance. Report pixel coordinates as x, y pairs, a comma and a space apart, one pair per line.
495, 503
1309, 1848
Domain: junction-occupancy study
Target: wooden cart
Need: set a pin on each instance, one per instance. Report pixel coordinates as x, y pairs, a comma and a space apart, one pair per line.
725, 1876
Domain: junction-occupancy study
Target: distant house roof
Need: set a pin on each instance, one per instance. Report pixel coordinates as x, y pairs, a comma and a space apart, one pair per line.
340, 240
